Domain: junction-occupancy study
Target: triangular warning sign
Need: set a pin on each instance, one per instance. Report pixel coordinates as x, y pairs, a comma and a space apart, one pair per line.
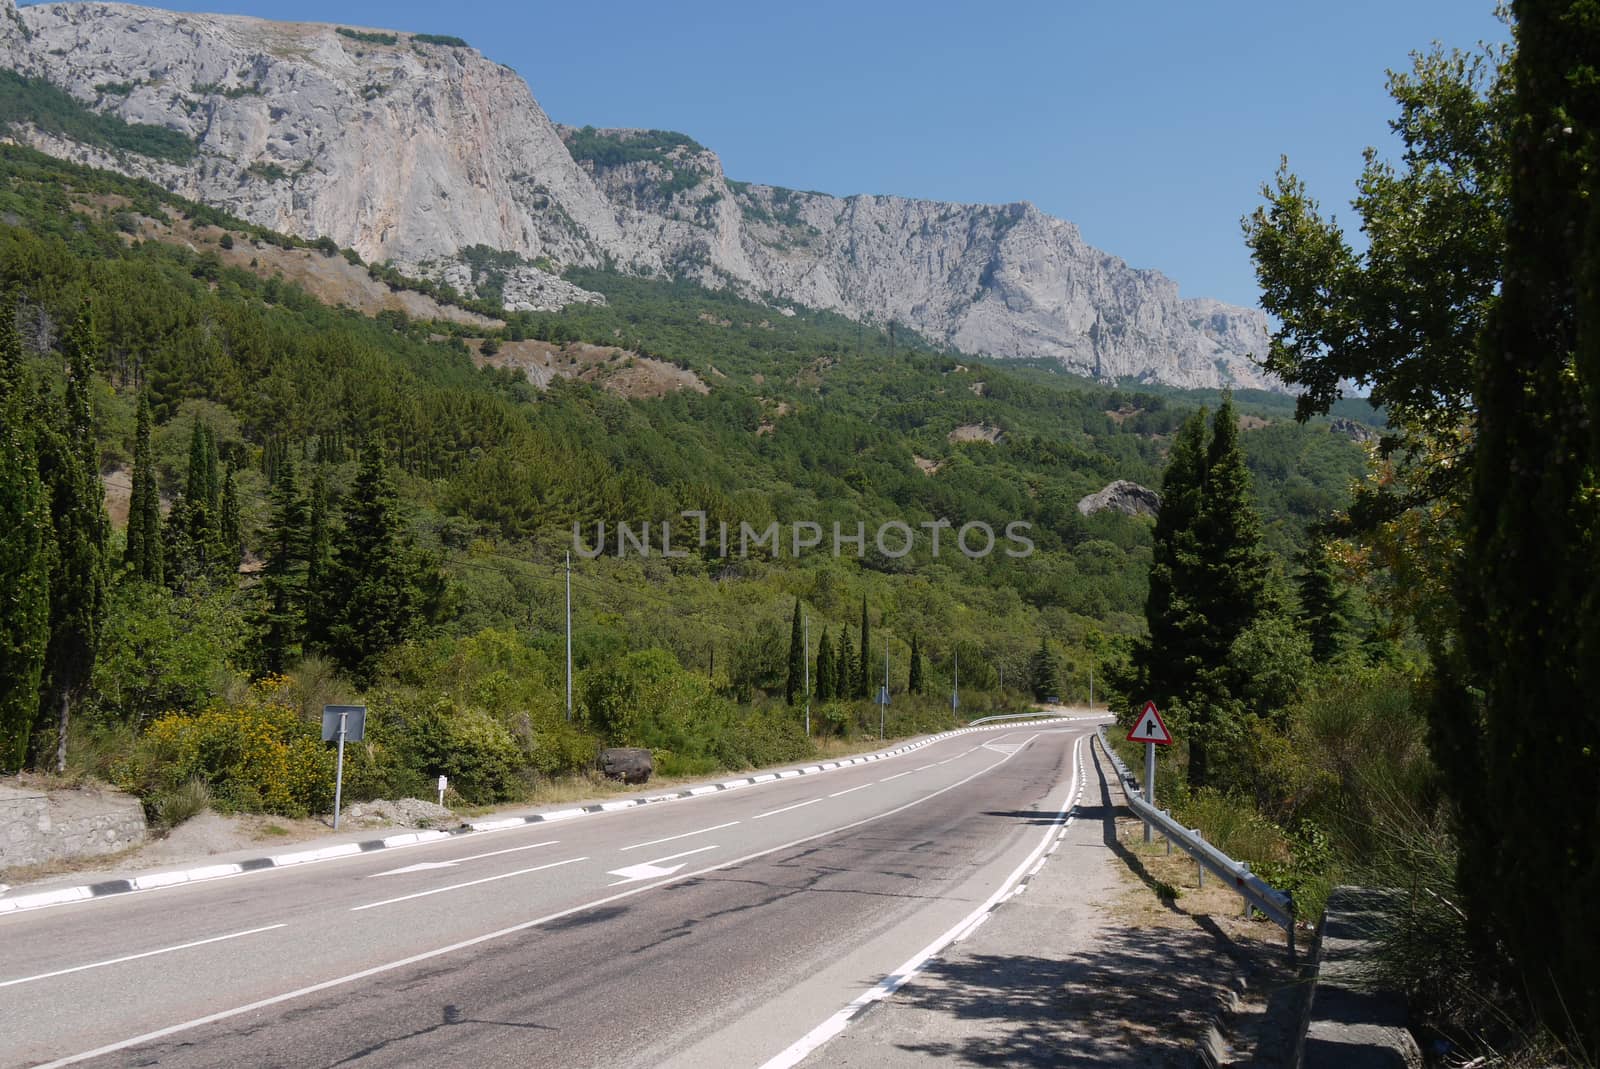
1150, 727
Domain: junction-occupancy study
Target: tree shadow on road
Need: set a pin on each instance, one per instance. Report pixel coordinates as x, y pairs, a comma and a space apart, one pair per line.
1140, 996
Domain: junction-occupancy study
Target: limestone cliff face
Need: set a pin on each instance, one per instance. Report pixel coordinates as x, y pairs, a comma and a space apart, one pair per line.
413, 151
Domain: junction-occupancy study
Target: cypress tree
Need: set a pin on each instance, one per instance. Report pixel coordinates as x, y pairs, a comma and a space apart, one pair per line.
863, 680
914, 682
230, 526
25, 556
143, 556
1045, 672
68, 466
285, 546
1517, 725
845, 664
825, 669
794, 685
369, 594
319, 556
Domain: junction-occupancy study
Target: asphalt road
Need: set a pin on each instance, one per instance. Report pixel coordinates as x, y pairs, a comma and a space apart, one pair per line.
713, 931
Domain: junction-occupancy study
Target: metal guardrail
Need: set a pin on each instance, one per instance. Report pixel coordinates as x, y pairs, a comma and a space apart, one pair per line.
1018, 716
1277, 906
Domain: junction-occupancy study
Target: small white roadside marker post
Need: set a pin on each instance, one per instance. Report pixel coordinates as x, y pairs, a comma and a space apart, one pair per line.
443, 783
1151, 730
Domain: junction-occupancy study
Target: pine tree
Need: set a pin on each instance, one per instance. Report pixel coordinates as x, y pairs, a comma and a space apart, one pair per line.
68, 466
1517, 726
285, 546
25, 556
1324, 604
863, 680
1169, 663
795, 683
825, 669
845, 667
319, 556
143, 556
914, 683
369, 596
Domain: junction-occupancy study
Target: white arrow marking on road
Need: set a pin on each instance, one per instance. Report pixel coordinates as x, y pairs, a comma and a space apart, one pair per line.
423, 866
650, 870
643, 872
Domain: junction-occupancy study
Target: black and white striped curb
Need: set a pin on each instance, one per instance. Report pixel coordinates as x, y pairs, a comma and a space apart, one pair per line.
154, 881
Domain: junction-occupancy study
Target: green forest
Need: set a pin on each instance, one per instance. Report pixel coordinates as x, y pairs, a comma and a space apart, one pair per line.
325, 507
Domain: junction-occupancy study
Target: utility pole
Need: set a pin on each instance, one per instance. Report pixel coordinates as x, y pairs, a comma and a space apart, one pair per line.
805, 642
883, 697
569, 634
955, 689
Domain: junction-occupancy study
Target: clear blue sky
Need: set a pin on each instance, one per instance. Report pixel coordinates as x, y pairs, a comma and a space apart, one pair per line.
1150, 125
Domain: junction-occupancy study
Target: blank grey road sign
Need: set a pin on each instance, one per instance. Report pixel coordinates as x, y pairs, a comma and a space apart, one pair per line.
355, 722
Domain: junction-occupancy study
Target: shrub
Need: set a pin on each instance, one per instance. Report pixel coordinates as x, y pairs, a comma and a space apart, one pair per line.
189, 799
257, 756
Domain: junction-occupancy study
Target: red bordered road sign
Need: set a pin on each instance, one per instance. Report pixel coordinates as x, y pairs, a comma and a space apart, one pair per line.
1150, 727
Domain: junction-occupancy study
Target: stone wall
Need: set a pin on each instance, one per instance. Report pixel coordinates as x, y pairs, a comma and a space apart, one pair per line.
41, 826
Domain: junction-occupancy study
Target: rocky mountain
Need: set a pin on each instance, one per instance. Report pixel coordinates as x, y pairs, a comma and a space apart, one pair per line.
418, 150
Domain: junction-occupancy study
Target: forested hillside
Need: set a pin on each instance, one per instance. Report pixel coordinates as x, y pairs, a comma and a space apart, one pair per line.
377, 508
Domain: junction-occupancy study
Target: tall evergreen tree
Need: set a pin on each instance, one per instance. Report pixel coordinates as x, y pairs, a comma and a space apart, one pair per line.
1324, 604
795, 683
914, 682
319, 555
1045, 672
863, 676
69, 467
1517, 728
25, 556
285, 546
825, 669
845, 667
370, 596
1208, 583
230, 526
143, 556
1169, 663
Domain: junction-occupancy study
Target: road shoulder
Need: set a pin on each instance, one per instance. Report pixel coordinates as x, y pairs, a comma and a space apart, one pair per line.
1087, 967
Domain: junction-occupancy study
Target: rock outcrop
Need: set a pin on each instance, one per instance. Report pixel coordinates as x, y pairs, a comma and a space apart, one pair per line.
1122, 496
415, 151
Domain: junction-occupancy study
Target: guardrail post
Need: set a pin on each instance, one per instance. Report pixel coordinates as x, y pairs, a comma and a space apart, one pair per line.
1168, 814
1291, 926
1199, 866
1244, 874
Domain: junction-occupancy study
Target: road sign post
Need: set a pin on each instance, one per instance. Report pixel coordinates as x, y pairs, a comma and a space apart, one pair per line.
1151, 730
342, 722
443, 784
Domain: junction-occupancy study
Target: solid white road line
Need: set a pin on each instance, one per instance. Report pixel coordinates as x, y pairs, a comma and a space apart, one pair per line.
835, 1024
452, 862
469, 883
785, 809
685, 835
428, 955
686, 853
136, 957
849, 790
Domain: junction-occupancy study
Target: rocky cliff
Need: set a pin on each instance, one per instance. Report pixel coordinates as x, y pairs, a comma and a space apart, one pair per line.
416, 150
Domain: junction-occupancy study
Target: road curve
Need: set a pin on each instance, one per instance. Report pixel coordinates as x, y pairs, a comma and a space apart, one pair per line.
718, 930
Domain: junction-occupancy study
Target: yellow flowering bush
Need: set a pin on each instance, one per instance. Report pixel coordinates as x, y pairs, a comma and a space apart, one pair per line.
256, 756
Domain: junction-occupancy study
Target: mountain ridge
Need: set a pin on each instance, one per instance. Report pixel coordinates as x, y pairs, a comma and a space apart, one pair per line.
412, 151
